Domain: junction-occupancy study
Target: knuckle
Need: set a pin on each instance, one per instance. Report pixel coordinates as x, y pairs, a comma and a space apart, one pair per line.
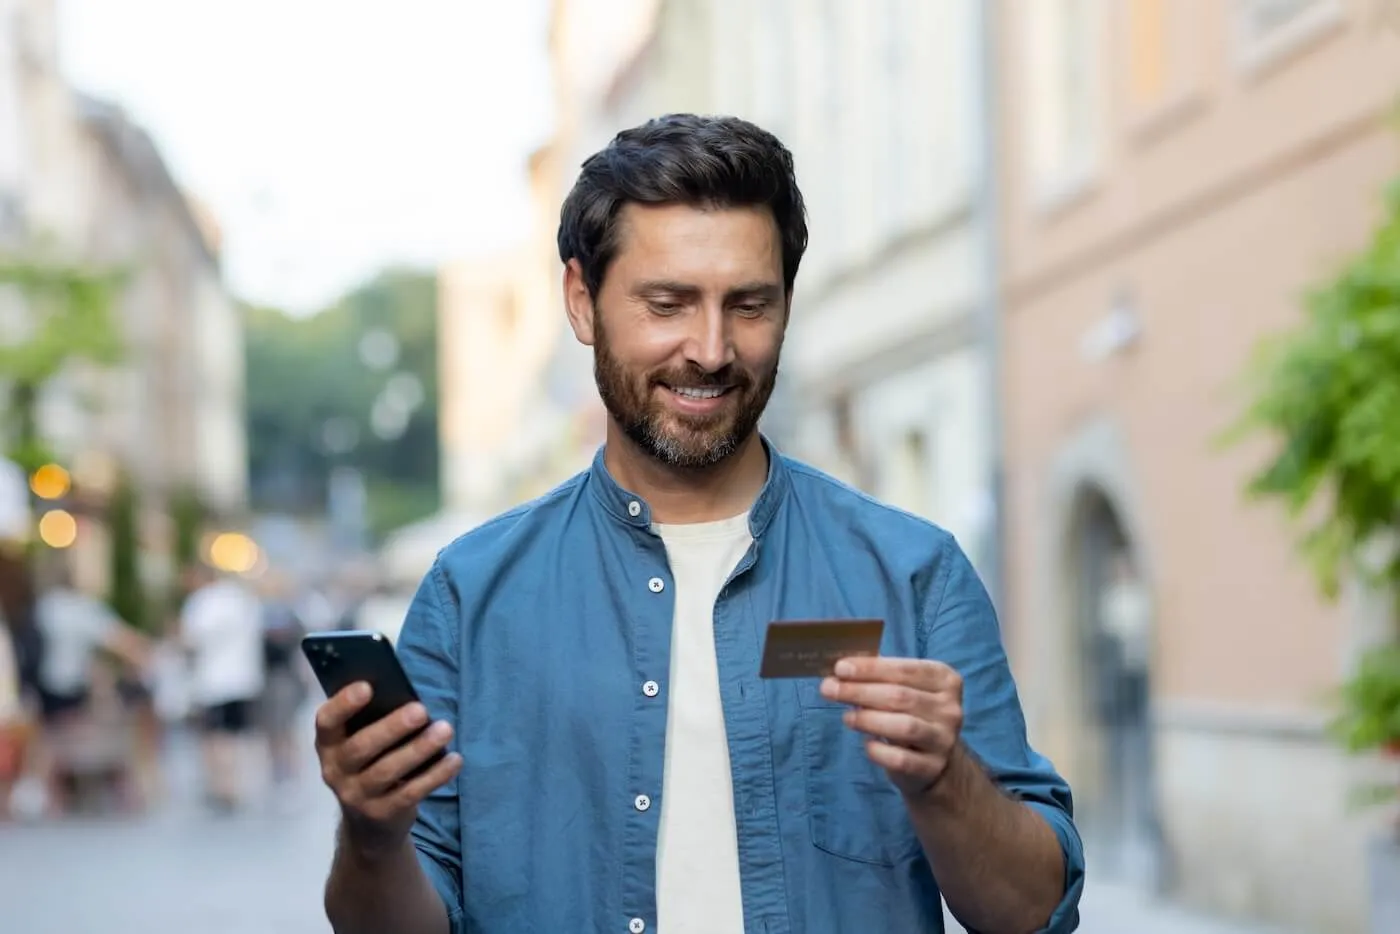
905, 698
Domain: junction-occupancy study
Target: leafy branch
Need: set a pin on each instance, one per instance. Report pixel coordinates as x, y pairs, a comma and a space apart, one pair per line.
1329, 393
68, 315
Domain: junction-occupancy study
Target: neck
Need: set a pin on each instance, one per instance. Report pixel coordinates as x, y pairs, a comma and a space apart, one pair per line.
683, 496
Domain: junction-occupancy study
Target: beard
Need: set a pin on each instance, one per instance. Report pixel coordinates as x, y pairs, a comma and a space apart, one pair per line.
691, 442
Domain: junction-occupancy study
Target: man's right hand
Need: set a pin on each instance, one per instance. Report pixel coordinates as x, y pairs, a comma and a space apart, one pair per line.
368, 774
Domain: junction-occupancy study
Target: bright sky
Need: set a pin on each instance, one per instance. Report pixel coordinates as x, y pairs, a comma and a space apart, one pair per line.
330, 137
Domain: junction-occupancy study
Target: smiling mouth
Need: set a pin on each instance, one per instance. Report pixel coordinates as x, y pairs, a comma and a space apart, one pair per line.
699, 392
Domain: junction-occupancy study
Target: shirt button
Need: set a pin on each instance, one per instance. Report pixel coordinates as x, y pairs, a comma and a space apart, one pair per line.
656, 585
642, 802
636, 926
634, 508
651, 689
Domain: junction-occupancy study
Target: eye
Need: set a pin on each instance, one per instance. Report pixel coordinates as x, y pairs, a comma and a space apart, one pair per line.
751, 309
666, 308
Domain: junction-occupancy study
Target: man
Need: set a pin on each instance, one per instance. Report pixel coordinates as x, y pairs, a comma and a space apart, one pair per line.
221, 625
591, 658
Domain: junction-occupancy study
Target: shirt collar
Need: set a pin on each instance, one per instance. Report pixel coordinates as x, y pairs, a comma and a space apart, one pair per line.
630, 509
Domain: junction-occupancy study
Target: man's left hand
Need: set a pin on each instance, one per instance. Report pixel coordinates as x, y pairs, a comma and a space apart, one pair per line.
912, 710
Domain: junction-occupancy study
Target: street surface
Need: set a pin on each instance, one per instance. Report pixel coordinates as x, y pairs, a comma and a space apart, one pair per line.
261, 872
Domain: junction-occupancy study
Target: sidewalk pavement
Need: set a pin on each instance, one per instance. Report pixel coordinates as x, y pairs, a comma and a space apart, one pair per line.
261, 872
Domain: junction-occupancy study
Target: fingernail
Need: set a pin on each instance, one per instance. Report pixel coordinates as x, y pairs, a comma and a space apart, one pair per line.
829, 687
440, 730
359, 693
844, 668
416, 715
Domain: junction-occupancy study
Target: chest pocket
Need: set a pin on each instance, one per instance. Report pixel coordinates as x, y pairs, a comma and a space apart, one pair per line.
853, 810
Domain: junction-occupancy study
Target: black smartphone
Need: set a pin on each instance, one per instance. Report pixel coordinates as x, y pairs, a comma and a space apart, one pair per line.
342, 657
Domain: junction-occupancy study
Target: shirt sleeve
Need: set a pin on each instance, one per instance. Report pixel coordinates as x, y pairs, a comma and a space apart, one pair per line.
963, 633
428, 648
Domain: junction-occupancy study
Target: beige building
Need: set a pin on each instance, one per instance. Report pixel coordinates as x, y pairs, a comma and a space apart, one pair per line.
81, 183
519, 409
1176, 174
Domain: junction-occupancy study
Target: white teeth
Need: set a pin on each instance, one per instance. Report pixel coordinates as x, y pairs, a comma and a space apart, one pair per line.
697, 393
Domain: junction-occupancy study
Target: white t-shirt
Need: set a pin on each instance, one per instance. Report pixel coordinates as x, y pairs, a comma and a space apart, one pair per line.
222, 624
74, 626
697, 848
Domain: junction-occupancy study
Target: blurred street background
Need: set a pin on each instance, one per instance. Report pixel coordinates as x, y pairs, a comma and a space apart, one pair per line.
1108, 288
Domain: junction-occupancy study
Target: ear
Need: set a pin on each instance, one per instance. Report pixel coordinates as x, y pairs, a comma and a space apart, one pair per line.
578, 303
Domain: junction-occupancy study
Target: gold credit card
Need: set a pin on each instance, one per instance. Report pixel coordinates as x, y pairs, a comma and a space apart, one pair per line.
811, 648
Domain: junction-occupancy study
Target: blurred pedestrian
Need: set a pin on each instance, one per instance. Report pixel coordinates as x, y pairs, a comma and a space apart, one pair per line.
16, 612
76, 630
285, 689
221, 625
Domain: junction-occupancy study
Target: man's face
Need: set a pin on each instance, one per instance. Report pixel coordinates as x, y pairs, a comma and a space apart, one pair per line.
687, 329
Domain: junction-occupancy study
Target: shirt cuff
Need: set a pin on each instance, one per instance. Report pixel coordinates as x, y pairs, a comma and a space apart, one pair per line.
446, 884
1065, 919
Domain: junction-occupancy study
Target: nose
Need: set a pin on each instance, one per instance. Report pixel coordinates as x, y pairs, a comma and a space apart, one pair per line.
710, 346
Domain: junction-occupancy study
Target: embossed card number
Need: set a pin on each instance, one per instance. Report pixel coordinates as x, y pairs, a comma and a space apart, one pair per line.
811, 648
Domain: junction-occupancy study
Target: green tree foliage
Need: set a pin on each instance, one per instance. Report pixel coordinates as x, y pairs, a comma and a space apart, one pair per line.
68, 311
127, 596
1329, 392
308, 385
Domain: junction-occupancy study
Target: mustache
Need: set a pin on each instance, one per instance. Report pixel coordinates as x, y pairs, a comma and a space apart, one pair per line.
728, 376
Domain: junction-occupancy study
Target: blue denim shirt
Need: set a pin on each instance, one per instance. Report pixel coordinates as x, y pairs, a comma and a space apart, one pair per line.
535, 633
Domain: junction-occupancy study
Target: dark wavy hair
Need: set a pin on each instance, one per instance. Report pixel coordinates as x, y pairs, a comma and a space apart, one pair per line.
681, 159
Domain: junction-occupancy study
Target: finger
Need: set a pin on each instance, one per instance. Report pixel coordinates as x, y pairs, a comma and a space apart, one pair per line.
880, 696
910, 765
900, 729
332, 715
412, 793
373, 741
394, 765
915, 672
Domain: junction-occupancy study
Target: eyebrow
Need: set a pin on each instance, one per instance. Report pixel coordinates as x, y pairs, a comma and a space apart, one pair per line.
770, 291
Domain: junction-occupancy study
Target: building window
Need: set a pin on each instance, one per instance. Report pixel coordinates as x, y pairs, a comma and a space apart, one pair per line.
1147, 50
1267, 31
1064, 85
897, 80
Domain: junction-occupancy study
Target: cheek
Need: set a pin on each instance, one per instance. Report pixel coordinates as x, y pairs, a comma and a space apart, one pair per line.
652, 347
759, 352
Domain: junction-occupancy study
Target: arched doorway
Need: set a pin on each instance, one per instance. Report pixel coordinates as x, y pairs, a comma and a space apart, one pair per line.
1113, 616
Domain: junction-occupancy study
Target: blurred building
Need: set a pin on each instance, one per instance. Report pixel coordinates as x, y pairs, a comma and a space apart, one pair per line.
174, 414
492, 344
81, 184
519, 409
1176, 174
885, 381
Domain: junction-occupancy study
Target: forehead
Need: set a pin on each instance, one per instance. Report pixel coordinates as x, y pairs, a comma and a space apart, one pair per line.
697, 245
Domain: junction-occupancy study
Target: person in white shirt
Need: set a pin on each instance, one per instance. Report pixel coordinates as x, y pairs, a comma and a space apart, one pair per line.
221, 624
